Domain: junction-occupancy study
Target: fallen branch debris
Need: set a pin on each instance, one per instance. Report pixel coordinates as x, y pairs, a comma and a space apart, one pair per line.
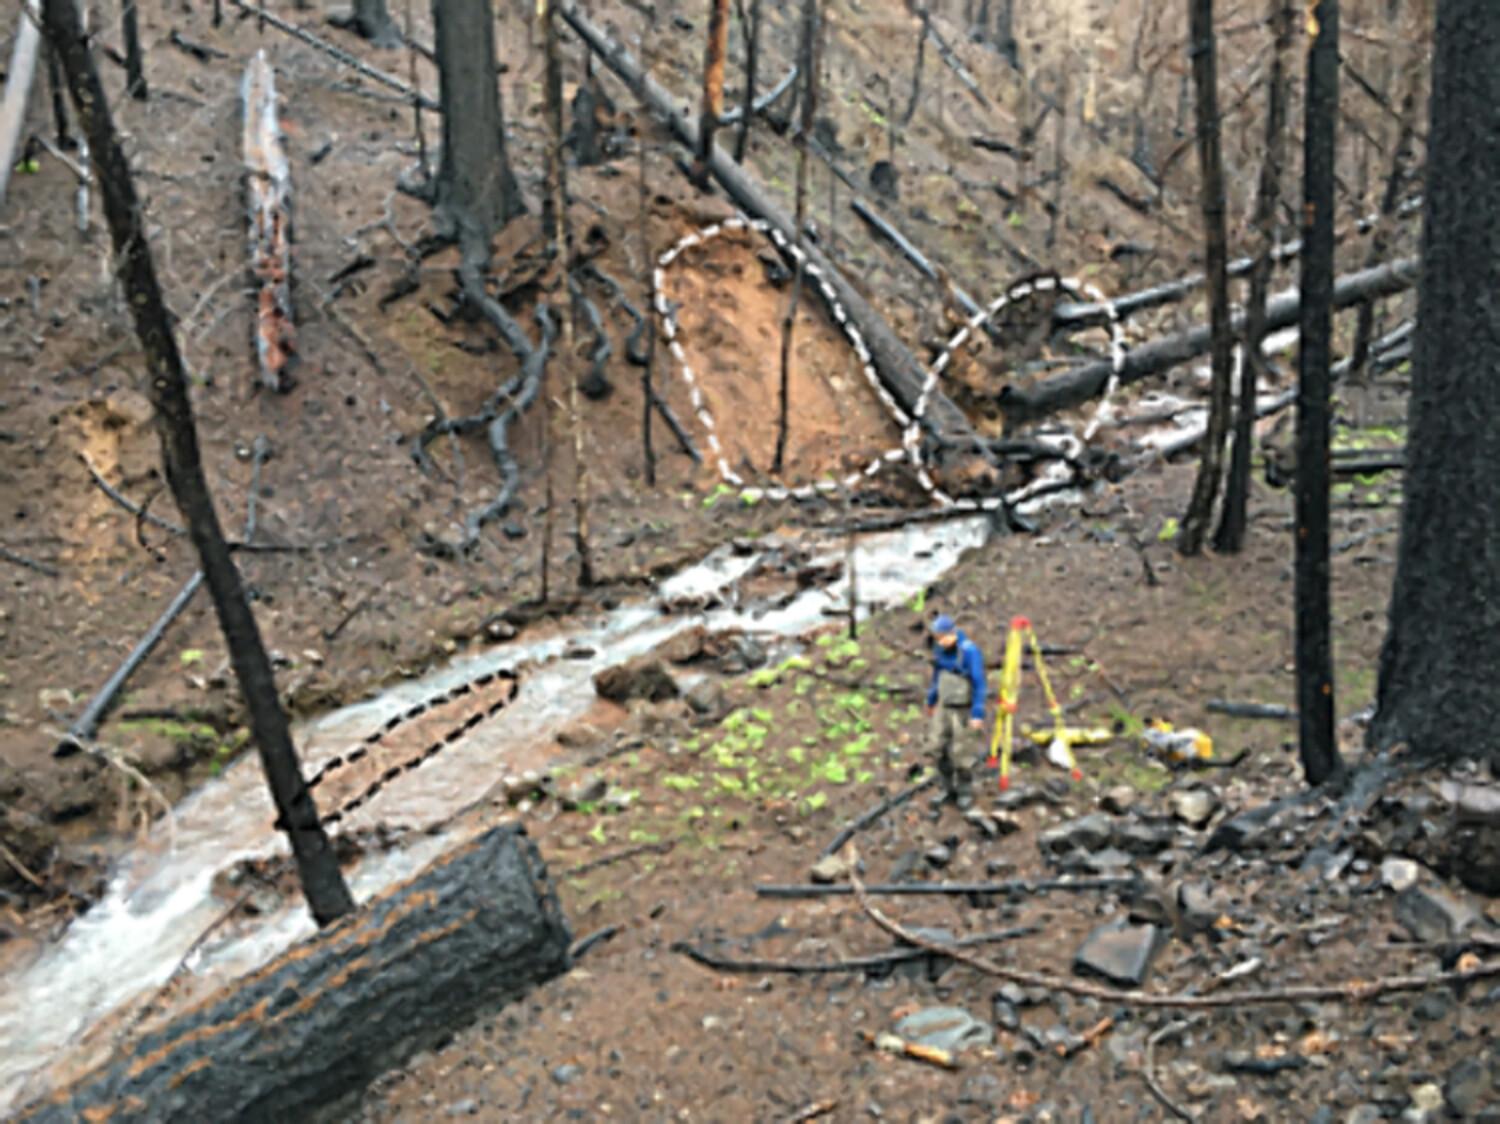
31, 564
919, 889
878, 960
865, 819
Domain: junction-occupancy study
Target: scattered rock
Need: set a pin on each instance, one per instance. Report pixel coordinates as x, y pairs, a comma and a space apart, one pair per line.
1399, 874
1434, 1006
938, 856
1142, 838
1119, 952
1087, 833
945, 1028
499, 629
1432, 914
707, 698
1006, 1016
469, 1107
588, 789
1473, 803
577, 651
514, 531
1426, 1101
986, 823
744, 653
828, 869
1118, 800
1197, 907
644, 678
1468, 1089
566, 1074
580, 735
1193, 806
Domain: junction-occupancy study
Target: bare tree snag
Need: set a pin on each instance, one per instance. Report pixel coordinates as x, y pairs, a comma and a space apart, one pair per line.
751, 28
555, 200
18, 78
1230, 537
898, 369
712, 111
1075, 387
1314, 642
371, 19
317, 865
268, 198
1436, 693
301, 1038
647, 282
916, 70
1195, 522
59, 101
135, 66
475, 193
809, 65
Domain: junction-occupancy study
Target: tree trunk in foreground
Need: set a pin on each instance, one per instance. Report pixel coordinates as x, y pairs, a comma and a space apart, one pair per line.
1196, 521
301, 1038
751, 28
1230, 538
1320, 756
1436, 690
371, 19
317, 866
475, 194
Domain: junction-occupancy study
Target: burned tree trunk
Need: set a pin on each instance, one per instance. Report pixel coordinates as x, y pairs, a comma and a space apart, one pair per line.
475, 194
371, 19
1195, 522
555, 201
59, 101
135, 66
302, 1037
916, 70
752, 62
1435, 693
809, 64
1230, 537
268, 198
166, 382
18, 78
712, 110
1314, 645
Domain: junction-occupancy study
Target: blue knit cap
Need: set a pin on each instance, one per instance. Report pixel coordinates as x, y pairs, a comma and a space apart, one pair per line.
943, 625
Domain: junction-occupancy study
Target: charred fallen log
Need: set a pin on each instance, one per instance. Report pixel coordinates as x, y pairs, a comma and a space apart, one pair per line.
268, 197
1077, 386
301, 1038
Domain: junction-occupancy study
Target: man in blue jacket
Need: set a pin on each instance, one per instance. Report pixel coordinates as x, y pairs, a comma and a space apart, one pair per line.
957, 688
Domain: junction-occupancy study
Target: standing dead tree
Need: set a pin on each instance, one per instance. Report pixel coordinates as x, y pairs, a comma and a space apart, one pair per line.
1230, 537
18, 79
268, 198
751, 27
712, 111
1195, 522
135, 64
167, 384
1314, 646
916, 70
809, 67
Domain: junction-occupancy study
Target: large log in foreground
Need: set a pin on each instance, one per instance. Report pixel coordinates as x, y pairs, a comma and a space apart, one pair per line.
897, 367
1075, 387
301, 1038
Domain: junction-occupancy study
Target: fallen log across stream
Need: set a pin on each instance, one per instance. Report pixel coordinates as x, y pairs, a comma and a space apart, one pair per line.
301, 1038
898, 369
1075, 387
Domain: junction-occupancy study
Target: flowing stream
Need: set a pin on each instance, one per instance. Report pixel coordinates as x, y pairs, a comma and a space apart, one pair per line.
159, 898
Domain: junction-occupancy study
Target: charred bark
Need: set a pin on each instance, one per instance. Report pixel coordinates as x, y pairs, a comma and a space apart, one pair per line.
1195, 522
18, 78
135, 65
752, 62
167, 385
1435, 693
475, 193
302, 1037
809, 65
1314, 645
916, 71
1230, 538
59, 101
1063, 392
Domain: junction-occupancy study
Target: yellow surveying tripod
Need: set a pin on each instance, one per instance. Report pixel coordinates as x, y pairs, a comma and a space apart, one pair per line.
1010, 691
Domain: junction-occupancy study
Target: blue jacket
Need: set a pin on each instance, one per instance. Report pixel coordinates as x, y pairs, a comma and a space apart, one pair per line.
961, 659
